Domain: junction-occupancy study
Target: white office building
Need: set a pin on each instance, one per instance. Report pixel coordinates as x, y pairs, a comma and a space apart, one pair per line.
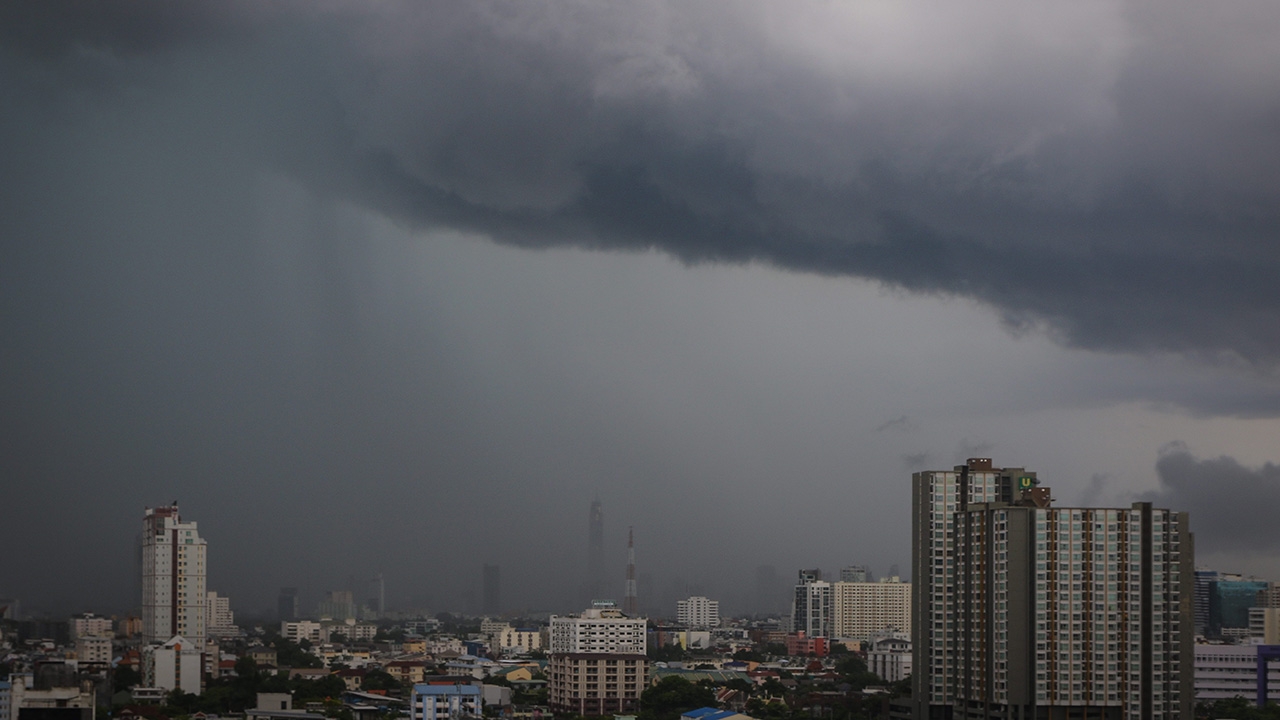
698, 612
601, 629
812, 610
221, 622
890, 658
173, 665
1226, 671
173, 577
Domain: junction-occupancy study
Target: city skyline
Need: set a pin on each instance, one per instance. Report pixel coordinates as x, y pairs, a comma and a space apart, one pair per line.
335, 279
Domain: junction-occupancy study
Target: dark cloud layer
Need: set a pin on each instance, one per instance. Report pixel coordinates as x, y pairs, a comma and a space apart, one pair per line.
192, 305
1120, 193
1230, 504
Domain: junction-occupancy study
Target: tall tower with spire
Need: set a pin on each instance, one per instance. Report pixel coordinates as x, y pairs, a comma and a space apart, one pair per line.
595, 552
630, 603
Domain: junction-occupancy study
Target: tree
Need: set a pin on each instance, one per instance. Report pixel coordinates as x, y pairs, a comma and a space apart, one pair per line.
853, 670
125, 678
295, 655
673, 695
379, 680
665, 653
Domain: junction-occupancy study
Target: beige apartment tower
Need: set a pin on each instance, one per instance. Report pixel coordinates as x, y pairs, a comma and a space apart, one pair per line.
173, 578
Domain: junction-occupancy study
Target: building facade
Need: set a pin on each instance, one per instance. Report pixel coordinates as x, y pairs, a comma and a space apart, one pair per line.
173, 577
1230, 598
175, 665
445, 702
89, 624
862, 609
812, 609
1223, 672
698, 612
93, 649
601, 629
220, 621
597, 661
596, 684
890, 658
1024, 610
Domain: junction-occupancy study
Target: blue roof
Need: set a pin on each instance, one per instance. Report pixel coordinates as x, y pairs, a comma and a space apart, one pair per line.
708, 713
424, 689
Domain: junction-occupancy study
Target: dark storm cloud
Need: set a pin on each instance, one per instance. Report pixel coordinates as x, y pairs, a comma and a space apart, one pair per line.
916, 462
194, 307
1231, 505
898, 424
1106, 174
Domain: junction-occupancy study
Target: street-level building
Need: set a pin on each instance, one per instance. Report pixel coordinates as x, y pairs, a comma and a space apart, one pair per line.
1223, 672
446, 702
176, 665
890, 658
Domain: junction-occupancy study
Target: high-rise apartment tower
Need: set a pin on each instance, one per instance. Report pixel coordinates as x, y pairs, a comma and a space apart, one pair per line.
173, 577
812, 609
1023, 610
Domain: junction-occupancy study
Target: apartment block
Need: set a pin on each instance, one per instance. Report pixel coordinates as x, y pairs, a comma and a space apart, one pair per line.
1028, 611
597, 684
698, 612
173, 577
862, 609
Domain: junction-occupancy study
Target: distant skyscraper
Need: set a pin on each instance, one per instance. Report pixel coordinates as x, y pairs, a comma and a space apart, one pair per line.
769, 589
337, 605
595, 552
173, 577
630, 603
492, 591
1027, 611
812, 611
854, 573
287, 604
698, 612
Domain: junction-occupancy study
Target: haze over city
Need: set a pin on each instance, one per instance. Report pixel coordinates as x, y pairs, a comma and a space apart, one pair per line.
401, 288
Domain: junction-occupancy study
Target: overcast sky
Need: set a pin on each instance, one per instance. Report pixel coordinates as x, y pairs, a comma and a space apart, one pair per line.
400, 287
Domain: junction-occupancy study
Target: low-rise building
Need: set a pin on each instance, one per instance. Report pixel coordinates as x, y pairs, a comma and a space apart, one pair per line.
90, 625
518, 640
1226, 671
406, 671
93, 648
445, 702
175, 665
301, 630
890, 658
52, 684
